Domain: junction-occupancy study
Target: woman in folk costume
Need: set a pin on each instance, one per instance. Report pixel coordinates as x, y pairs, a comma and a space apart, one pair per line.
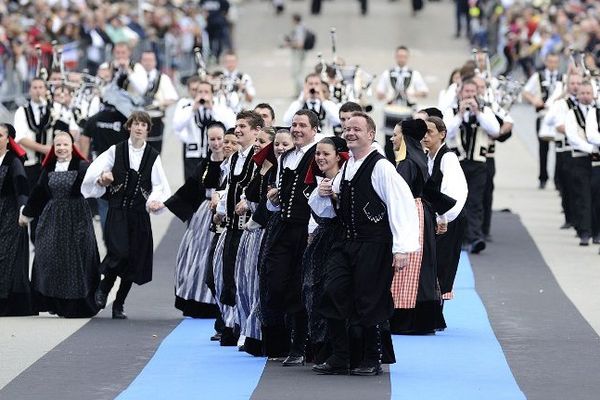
191, 202
66, 265
275, 338
417, 301
446, 181
247, 279
15, 296
330, 155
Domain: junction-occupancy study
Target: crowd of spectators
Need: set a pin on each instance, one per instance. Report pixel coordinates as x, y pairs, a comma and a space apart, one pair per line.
87, 29
520, 33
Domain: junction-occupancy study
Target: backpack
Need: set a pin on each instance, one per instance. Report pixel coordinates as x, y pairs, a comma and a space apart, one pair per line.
309, 40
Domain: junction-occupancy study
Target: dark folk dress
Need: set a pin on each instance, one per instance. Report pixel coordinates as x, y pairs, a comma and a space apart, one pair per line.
128, 231
15, 299
65, 268
426, 316
191, 203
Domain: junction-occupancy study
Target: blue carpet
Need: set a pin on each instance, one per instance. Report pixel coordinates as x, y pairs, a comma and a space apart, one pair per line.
189, 366
464, 362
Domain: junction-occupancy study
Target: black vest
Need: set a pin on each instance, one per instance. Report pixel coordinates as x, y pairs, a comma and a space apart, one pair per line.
363, 214
236, 185
321, 114
130, 189
546, 87
40, 130
293, 192
394, 78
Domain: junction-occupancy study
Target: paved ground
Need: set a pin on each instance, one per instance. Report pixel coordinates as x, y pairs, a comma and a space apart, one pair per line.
561, 279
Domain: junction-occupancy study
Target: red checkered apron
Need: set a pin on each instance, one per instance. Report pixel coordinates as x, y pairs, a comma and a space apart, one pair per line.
406, 282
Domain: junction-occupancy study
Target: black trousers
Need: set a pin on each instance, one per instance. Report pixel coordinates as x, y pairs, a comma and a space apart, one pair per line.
476, 174
448, 247
543, 147
315, 7
581, 182
488, 196
230, 248
155, 137
124, 287
595, 200
563, 183
189, 165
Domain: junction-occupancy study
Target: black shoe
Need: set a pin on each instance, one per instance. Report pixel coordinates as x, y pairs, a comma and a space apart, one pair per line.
542, 185
100, 298
229, 338
596, 239
216, 337
293, 361
584, 240
328, 369
566, 225
117, 313
478, 246
241, 348
367, 370
279, 10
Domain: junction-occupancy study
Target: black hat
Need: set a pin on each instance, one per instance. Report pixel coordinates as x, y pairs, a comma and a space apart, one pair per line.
11, 129
434, 112
415, 128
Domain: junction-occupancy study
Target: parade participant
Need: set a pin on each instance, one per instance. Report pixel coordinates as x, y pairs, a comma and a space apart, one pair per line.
345, 113
15, 296
132, 174
238, 85
159, 95
555, 122
283, 253
247, 260
32, 126
313, 98
445, 176
62, 117
581, 163
191, 202
541, 90
401, 84
236, 215
469, 127
378, 213
65, 268
191, 118
129, 75
417, 303
593, 137
275, 338
266, 112
330, 155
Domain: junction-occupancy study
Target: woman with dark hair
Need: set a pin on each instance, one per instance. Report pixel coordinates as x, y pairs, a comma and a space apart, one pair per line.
65, 268
447, 180
330, 155
15, 297
417, 301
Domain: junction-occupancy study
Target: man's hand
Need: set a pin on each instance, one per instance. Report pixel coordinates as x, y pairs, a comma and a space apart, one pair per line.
106, 178
155, 206
400, 261
23, 220
241, 208
441, 228
273, 196
326, 188
218, 218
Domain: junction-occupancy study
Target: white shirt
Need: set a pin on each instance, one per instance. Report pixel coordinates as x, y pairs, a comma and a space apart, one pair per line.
486, 118
534, 86
242, 156
138, 80
2, 158
332, 117
591, 127
393, 191
417, 83
572, 133
166, 92
454, 183
62, 166
23, 131
105, 162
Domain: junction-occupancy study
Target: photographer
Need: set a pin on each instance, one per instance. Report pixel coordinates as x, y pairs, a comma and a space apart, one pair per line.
191, 118
130, 76
313, 98
469, 128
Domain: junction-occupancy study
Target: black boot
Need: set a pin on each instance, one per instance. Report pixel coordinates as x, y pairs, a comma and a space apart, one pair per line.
299, 328
337, 363
117, 312
371, 364
228, 337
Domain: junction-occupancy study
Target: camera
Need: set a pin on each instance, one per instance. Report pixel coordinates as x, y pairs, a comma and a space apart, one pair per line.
312, 91
202, 102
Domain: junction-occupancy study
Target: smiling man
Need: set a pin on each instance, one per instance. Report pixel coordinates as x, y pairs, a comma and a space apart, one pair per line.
379, 217
283, 254
132, 174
